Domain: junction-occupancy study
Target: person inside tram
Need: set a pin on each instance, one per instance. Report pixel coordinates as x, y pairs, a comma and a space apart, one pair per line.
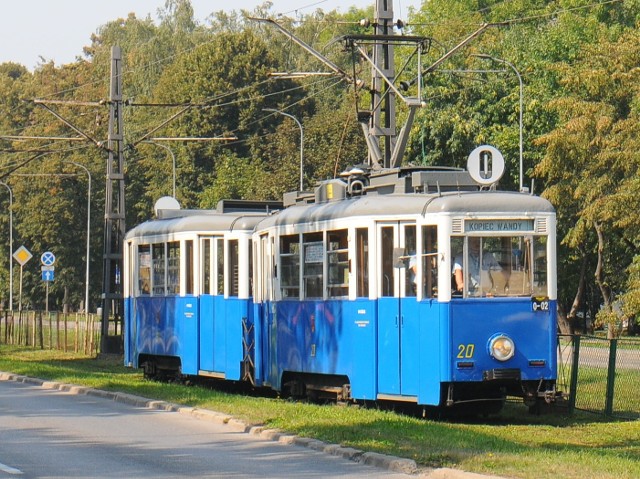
489, 263
413, 269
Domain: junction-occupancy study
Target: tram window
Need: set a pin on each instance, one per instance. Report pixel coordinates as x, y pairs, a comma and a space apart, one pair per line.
502, 266
189, 267
539, 266
144, 269
362, 262
386, 272
313, 265
220, 266
290, 266
430, 261
232, 264
338, 264
411, 279
173, 268
206, 266
158, 263
479, 268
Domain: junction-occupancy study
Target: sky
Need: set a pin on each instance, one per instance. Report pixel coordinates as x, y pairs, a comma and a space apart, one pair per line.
58, 29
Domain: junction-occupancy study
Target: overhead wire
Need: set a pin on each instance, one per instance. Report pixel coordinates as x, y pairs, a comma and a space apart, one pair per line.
525, 18
17, 165
283, 108
168, 58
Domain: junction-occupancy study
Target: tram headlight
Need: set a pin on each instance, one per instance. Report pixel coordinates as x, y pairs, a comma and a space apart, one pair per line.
502, 347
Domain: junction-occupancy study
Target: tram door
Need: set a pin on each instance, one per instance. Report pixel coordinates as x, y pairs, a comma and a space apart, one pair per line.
212, 327
397, 309
263, 295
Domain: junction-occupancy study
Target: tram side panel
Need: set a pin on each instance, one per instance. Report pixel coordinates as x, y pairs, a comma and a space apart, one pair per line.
234, 311
129, 331
164, 327
310, 336
433, 351
362, 323
186, 328
319, 339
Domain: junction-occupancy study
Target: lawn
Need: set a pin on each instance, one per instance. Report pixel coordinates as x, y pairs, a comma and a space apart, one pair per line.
512, 444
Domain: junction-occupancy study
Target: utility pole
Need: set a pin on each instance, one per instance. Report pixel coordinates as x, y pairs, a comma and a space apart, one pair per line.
385, 145
114, 226
383, 100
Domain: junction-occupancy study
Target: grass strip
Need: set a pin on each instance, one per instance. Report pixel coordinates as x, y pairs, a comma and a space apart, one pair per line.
513, 444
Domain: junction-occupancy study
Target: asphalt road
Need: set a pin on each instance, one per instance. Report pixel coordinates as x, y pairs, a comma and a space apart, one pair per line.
56, 434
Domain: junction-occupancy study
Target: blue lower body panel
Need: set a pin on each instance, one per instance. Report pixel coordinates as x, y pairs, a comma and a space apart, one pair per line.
320, 337
163, 327
395, 348
475, 322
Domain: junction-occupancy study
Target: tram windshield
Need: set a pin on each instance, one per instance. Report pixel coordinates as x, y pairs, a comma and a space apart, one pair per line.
491, 266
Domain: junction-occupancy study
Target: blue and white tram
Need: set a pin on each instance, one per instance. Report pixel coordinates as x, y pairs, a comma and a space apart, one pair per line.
187, 291
354, 291
408, 285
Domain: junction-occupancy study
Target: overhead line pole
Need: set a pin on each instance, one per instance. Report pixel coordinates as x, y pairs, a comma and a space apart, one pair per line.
10, 243
114, 226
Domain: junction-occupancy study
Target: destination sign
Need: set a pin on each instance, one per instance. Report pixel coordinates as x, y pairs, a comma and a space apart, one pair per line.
480, 226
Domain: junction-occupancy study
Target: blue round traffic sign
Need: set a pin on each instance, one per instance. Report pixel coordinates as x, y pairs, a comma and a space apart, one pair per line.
48, 258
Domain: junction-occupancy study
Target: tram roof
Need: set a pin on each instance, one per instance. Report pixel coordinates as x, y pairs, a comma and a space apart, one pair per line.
198, 221
464, 202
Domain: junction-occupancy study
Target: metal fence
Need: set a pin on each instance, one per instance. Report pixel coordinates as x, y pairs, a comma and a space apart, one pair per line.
601, 375
77, 332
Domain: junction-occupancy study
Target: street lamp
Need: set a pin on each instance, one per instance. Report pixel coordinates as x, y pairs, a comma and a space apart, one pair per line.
86, 284
301, 143
173, 161
484, 56
10, 244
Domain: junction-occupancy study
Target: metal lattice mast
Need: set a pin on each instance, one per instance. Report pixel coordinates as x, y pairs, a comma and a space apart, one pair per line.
383, 121
114, 226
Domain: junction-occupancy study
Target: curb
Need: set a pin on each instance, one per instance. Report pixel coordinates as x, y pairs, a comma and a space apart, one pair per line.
382, 461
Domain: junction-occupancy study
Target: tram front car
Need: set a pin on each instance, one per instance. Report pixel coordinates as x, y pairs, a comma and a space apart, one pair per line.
495, 332
447, 296
500, 310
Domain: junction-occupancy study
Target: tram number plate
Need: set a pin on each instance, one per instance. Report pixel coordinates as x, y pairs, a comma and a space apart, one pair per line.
540, 304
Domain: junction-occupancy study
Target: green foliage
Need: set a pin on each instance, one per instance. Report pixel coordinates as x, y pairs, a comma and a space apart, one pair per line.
578, 62
631, 298
591, 161
235, 178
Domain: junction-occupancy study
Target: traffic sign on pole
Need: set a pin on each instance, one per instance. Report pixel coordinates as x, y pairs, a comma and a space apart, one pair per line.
22, 255
48, 258
47, 275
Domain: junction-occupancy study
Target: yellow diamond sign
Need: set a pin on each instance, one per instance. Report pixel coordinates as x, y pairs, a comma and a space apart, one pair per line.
22, 255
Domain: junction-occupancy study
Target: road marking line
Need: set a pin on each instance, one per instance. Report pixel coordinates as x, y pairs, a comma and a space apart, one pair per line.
9, 470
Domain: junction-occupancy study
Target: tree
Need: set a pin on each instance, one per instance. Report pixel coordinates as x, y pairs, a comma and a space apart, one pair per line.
591, 162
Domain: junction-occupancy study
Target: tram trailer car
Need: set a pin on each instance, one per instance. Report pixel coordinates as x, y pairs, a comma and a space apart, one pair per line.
353, 295
187, 290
